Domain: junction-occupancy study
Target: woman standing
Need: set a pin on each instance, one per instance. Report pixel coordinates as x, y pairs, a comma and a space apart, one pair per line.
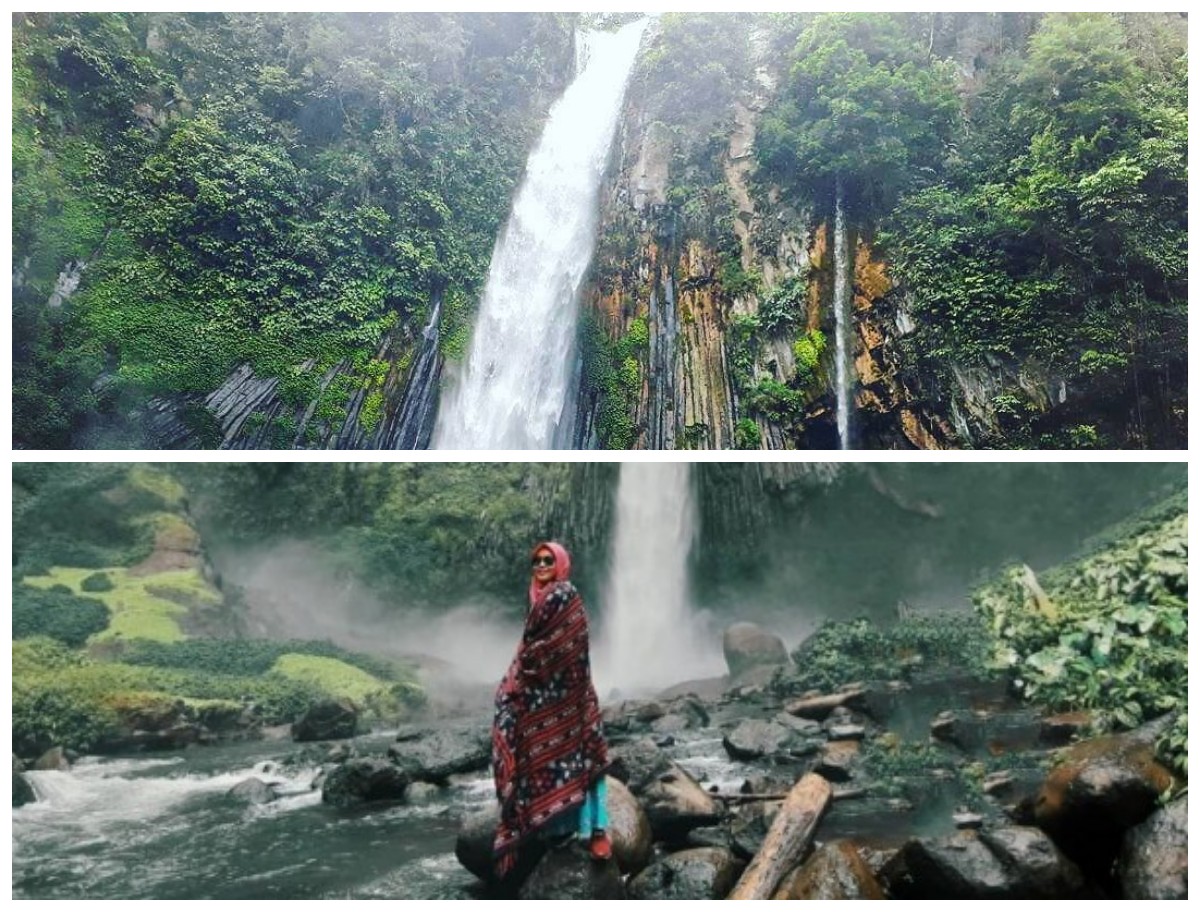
548, 749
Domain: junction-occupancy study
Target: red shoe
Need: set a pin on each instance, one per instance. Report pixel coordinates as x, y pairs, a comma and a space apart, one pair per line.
601, 846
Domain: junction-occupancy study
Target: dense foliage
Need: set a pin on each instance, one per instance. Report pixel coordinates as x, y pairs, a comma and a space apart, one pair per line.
842, 652
56, 613
280, 190
1108, 633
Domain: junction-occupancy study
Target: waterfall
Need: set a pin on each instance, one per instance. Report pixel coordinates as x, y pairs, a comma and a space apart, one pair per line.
512, 390
650, 638
841, 308
415, 425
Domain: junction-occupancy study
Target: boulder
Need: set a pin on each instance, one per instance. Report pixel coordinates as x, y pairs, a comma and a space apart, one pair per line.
1008, 863
705, 873
818, 707
252, 791
22, 792
1153, 859
808, 728
834, 871
754, 738
53, 759
328, 720
673, 801
1102, 788
569, 872
749, 827
473, 845
438, 754
629, 828
748, 646
1040, 870
364, 779
837, 759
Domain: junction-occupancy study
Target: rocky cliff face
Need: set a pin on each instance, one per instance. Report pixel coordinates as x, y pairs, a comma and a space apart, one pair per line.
717, 369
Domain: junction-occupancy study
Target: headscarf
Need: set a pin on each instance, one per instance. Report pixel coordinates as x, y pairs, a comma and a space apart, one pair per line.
548, 744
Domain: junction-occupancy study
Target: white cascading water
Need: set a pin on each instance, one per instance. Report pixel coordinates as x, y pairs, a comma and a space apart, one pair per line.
841, 307
650, 638
514, 383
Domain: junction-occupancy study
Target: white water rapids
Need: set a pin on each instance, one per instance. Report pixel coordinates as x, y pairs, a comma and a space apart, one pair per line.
512, 390
650, 637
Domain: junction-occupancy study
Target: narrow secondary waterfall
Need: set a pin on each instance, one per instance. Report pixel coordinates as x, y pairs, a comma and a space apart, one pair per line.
650, 638
414, 428
841, 307
513, 386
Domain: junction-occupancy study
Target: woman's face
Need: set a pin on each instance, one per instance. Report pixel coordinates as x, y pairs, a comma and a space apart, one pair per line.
543, 565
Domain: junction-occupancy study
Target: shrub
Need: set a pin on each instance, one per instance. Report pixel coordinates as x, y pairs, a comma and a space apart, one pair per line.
1106, 633
96, 582
63, 616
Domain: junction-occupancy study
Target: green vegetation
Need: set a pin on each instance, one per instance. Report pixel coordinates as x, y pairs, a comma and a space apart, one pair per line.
612, 371
747, 436
864, 108
1108, 633
58, 614
842, 652
253, 188
808, 350
138, 607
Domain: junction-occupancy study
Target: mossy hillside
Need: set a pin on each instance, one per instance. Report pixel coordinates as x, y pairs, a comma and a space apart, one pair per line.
330, 675
141, 607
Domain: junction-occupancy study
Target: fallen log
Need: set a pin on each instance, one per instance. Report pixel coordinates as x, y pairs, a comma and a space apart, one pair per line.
740, 798
787, 839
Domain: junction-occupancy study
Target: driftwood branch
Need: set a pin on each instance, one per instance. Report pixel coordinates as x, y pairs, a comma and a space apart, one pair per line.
746, 798
787, 838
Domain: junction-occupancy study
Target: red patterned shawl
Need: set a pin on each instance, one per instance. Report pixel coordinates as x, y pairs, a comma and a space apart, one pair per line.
547, 741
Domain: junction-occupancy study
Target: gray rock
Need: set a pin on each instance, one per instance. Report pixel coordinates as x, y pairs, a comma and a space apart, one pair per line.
837, 760
755, 738
638, 764
750, 825
473, 845
1039, 869
1153, 859
362, 780
748, 646
253, 791
422, 792
53, 759
704, 873
328, 720
1008, 863
670, 723
569, 872
807, 728
675, 803
22, 792
965, 820
439, 754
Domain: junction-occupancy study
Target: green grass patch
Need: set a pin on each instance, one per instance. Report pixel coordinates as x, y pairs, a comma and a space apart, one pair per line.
138, 608
333, 676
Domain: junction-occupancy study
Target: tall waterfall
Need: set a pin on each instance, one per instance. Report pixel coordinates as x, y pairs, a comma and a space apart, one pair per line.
650, 638
841, 307
513, 388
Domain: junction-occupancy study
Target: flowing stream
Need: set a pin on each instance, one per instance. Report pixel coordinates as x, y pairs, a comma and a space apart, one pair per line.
841, 309
650, 637
512, 390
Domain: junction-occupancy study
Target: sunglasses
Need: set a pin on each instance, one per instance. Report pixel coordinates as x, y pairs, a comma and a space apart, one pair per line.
545, 561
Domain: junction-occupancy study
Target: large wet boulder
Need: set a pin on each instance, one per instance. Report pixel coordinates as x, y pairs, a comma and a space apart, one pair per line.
753, 739
707, 873
328, 720
1008, 863
22, 792
252, 791
54, 759
1101, 788
364, 779
569, 872
1153, 859
434, 755
838, 760
629, 828
748, 646
674, 802
835, 870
